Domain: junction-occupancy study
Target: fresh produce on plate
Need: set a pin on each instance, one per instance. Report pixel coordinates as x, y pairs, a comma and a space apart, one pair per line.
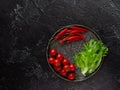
65, 61
70, 34
57, 68
57, 62
79, 60
63, 72
90, 58
59, 56
53, 52
71, 76
51, 60
66, 68
72, 67
61, 64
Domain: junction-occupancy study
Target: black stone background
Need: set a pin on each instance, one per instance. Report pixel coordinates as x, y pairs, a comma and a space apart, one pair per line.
27, 25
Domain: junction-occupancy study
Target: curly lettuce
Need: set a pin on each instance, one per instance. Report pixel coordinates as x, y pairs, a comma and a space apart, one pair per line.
90, 58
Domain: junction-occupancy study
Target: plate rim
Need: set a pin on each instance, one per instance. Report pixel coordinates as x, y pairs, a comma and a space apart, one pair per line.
47, 49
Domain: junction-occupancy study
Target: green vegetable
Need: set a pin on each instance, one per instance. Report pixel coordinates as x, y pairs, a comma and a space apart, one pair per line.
90, 58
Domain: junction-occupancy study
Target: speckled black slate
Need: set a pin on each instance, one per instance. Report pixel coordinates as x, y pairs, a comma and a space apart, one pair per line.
27, 25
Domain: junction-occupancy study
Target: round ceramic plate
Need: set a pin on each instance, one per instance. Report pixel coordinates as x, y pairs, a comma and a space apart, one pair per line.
68, 51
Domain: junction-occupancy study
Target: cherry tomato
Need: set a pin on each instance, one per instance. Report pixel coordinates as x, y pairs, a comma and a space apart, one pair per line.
53, 52
57, 68
65, 61
63, 72
51, 60
57, 62
72, 67
59, 56
71, 76
66, 68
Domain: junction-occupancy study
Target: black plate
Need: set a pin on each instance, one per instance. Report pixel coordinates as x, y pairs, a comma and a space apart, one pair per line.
68, 50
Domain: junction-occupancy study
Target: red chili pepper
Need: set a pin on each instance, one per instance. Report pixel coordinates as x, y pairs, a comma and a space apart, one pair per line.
79, 28
74, 38
75, 34
76, 31
60, 34
78, 34
63, 40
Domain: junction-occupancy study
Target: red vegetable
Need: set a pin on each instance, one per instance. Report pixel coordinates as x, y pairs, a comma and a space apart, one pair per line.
65, 61
51, 60
75, 37
72, 38
57, 68
59, 56
72, 67
66, 68
76, 31
63, 72
63, 40
61, 64
57, 62
71, 76
53, 52
79, 28
61, 33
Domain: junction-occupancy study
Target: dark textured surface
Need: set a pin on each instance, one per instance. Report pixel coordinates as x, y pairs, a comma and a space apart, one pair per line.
27, 25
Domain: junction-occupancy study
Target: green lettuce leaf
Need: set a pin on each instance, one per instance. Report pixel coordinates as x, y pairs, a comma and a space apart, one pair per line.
90, 58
